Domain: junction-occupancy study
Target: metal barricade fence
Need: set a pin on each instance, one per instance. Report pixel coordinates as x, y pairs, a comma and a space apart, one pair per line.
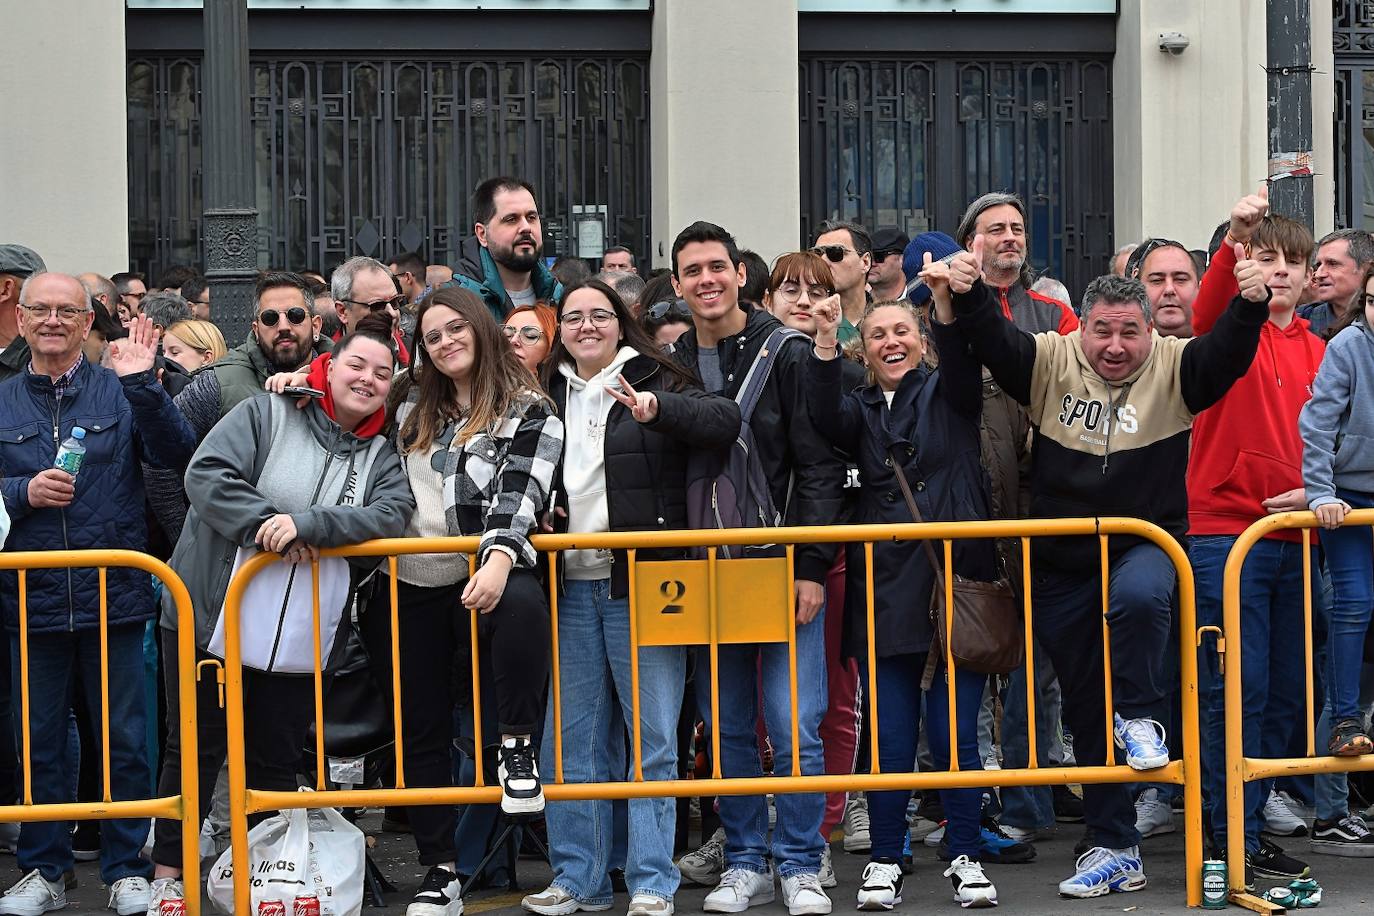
678, 602
183, 806
1241, 769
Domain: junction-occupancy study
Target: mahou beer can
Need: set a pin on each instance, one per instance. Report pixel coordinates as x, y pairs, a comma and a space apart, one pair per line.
1214, 895
271, 908
308, 905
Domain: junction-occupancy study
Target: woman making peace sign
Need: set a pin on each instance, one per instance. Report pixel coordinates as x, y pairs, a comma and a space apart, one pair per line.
630, 415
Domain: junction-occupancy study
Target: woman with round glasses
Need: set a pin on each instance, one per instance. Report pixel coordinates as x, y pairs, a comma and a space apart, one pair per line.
630, 414
530, 328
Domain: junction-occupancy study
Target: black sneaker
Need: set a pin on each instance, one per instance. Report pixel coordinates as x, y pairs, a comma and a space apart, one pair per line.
86, 841
520, 789
1272, 863
439, 895
1350, 837
1349, 740
1068, 808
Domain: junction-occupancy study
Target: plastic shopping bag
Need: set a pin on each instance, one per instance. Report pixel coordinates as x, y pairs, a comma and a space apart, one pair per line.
298, 853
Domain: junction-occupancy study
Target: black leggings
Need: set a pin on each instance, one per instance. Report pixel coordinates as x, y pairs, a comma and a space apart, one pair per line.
277, 712
436, 674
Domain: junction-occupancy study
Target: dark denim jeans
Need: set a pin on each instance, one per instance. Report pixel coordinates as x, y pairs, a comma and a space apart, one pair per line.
54, 661
1272, 669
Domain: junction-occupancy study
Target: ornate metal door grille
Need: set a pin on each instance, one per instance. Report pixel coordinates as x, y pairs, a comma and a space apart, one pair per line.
1354, 103
377, 156
910, 142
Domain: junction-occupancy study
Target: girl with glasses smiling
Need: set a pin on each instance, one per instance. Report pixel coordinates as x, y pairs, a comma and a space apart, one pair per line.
530, 328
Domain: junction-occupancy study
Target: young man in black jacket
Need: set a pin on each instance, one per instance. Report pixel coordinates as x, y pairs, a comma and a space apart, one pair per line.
806, 480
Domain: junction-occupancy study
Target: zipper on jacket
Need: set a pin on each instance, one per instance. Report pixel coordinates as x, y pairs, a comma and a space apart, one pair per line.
62, 514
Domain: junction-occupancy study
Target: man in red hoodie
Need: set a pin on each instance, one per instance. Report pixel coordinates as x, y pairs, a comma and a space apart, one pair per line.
1246, 461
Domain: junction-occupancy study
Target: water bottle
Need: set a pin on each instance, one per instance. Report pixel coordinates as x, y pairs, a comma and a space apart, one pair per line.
72, 452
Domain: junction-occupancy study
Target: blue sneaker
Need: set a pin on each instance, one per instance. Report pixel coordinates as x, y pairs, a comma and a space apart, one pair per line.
995, 847
1100, 871
1143, 741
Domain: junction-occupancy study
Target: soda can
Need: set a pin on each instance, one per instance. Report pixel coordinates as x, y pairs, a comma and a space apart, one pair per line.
306, 905
1214, 890
271, 908
173, 906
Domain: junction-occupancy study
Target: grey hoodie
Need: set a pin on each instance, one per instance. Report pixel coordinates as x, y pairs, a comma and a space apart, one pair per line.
1337, 424
228, 508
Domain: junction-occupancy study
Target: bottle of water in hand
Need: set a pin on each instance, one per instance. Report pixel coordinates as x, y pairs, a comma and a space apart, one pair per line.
72, 452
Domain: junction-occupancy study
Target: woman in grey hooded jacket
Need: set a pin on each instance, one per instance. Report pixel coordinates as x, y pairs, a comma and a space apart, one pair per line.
288, 481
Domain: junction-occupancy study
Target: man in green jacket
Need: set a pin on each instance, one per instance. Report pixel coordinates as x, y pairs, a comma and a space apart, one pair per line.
501, 260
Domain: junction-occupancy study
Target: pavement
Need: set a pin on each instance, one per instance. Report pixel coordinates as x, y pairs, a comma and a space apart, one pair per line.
1029, 888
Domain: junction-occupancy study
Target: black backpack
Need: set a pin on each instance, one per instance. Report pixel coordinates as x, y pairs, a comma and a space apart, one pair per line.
728, 488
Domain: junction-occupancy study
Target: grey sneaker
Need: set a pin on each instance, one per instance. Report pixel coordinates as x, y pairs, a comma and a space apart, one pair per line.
855, 824
649, 905
827, 871
555, 901
705, 865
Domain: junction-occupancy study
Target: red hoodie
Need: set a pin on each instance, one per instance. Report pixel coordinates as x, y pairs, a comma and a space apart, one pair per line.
1246, 447
319, 378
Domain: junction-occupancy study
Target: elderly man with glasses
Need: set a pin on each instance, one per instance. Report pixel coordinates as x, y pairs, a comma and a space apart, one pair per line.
363, 286
124, 417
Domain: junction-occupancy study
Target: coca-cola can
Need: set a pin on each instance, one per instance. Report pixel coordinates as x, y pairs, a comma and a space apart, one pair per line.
174, 906
271, 908
306, 905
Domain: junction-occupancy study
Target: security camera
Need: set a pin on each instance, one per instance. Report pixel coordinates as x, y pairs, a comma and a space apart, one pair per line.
1173, 42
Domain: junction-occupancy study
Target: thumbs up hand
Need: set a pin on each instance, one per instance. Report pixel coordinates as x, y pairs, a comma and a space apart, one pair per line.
1247, 213
1249, 277
966, 267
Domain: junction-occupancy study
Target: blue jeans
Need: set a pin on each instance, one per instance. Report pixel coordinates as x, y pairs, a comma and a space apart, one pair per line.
1350, 559
54, 659
1031, 807
594, 654
899, 718
745, 672
1272, 646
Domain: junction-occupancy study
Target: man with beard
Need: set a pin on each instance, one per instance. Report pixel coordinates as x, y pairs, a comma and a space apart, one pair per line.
501, 262
1171, 282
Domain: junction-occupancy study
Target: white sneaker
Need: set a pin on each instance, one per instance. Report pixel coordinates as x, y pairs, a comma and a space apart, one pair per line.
971, 887
130, 896
855, 824
705, 865
1143, 742
519, 776
1100, 871
803, 895
827, 871
1153, 815
1024, 834
32, 895
164, 889
555, 901
738, 890
649, 905
1306, 812
440, 894
881, 887
1279, 820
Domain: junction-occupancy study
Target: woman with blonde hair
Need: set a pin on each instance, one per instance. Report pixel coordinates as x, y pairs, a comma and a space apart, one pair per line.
193, 343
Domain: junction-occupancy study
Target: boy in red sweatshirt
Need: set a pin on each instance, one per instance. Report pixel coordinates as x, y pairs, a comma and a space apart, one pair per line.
1246, 461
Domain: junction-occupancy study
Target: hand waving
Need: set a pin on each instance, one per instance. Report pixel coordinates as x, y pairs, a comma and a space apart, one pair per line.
135, 353
643, 404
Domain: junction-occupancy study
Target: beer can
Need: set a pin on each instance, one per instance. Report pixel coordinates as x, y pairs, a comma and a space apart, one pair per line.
271, 908
173, 906
1214, 890
306, 905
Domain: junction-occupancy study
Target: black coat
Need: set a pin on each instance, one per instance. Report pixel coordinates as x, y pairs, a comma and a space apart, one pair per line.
646, 463
806, 480
933, 423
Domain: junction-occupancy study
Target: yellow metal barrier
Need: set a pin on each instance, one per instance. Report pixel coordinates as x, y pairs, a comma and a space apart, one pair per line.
183, 807
1239, 768
678, 603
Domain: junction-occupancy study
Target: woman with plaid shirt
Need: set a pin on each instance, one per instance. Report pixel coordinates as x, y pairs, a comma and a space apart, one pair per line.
479, 442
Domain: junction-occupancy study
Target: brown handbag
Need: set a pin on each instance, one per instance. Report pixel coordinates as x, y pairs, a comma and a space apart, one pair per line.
989, 633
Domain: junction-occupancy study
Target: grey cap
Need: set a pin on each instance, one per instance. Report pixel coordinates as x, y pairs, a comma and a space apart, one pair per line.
20, 261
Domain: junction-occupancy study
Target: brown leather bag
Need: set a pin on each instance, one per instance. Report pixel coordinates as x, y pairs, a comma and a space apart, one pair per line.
989, 635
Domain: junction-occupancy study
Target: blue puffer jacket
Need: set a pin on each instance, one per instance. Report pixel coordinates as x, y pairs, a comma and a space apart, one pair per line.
126, 419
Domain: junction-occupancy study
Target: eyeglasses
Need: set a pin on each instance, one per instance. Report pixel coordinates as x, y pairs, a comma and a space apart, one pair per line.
835, 253
137, 297
64, 313
528, 333
600, 318
453, 329
669, 310
270, 317
887, 253
790, 291
397, 302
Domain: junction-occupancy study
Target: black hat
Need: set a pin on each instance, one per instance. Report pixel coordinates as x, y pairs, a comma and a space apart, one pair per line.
889, 240
20, 261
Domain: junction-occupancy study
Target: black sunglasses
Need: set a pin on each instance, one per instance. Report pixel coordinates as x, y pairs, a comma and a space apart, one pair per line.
397, 302
835, 253
270, 317
669, 310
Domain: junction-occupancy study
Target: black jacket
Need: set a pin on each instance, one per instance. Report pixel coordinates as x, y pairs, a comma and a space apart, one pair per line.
933, 424
646, 463
807, 480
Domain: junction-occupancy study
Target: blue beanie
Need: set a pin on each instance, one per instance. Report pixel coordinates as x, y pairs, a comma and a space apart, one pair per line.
939, 246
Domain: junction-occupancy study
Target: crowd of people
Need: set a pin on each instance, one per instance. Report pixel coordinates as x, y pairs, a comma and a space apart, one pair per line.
873, 378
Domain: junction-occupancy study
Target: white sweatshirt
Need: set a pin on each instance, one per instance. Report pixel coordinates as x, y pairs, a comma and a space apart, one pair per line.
584, 461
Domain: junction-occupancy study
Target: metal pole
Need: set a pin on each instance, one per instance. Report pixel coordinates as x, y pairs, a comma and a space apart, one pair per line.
231, 217
1289, 92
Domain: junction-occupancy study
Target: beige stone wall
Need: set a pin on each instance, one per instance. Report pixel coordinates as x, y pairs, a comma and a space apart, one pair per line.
723, 121
63, 172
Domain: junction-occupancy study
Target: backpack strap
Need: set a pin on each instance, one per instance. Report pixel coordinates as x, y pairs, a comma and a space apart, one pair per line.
752, 389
